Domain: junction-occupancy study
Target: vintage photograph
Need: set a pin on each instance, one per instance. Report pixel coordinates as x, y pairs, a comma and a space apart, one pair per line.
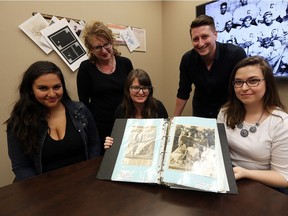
140, 146
194, 150
259, 27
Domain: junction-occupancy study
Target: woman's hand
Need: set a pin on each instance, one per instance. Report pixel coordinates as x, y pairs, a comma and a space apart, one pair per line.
108, 142
268, 177
239, 172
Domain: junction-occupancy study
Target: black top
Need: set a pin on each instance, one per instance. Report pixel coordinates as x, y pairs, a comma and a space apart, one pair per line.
60, 153
161, 112
211, 87
100, 92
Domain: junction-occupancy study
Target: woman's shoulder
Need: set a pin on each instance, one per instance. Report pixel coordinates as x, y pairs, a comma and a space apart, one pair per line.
277, 122
124, 64
279, 112
277, 118
85, 65
162, 112
122, 59
74, 105
119, 111
222, 110
158, 102
221, 115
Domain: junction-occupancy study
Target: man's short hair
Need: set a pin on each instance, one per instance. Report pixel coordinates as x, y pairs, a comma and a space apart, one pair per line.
203, 20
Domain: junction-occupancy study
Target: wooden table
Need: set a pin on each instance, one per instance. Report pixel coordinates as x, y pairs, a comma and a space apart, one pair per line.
74, 190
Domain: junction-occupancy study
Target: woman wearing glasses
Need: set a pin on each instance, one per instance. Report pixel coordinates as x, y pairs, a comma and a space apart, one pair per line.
256, 124
138, 100
101, 78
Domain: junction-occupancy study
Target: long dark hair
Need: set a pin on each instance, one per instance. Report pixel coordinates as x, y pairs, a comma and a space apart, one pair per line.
234, 108
28, 113
150, 106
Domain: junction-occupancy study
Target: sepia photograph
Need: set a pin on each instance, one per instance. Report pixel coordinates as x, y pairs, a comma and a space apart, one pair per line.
194, 150
140, 146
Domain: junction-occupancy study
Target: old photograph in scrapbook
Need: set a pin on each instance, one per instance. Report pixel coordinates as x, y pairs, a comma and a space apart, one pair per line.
182, 153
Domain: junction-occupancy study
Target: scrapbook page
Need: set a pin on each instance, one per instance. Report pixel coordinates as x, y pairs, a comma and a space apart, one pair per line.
183, 152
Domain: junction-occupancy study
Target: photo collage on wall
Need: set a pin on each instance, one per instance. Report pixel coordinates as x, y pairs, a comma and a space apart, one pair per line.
62, 35
59, 35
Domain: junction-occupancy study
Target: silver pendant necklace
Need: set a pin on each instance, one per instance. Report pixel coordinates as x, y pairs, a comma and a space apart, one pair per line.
253, 129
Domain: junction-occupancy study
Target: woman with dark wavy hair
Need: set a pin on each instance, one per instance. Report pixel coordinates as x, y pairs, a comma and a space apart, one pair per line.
46, 129
138, 101
256, 124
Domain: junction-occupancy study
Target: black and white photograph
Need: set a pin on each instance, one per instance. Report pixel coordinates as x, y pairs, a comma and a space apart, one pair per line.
259, 27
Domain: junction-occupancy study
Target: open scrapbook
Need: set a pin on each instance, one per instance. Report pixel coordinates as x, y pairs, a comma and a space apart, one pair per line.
183, 152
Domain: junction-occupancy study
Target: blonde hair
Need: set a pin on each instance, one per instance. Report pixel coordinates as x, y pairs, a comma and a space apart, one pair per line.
97, 29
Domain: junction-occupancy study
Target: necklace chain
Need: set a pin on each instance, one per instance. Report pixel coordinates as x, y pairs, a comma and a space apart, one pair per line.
111, 64
253, 129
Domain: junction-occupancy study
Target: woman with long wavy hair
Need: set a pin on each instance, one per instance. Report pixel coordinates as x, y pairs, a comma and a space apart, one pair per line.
256, 124
46, 129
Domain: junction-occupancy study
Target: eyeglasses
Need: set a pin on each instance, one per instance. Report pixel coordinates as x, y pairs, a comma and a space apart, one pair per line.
99, 48
250, 82
145, 89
